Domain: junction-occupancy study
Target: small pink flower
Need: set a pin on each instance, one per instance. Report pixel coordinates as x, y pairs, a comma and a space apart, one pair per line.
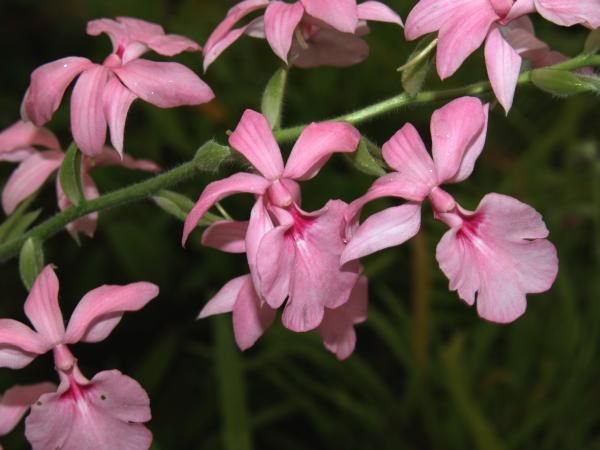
103, 93
306, 33
18, 144
110, 408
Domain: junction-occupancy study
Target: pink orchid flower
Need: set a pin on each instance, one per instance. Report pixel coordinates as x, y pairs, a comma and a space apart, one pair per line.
306, 33
463, 26
291, 253
18, 144
500, 251
105, 412
104, 92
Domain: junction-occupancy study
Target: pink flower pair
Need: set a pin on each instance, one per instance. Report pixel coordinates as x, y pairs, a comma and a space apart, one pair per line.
18, 144
306, 33
104, 92
496, 254
463, 26
107, 411
293, 255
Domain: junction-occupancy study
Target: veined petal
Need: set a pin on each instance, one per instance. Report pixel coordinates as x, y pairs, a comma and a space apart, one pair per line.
101, 309
117, 100
226, 235
26, 134
223, 301
519, 9
88, 122
377, 11
430, 15
259, 225
454, 129
29, 176
251, 316
254, 139
340, 14
172, 44
164, 84
316, 144
19, 344
568, 13
41, 307
217, 190
280, 22
48, 85
388, 228
503, 65
16, 401
275, 265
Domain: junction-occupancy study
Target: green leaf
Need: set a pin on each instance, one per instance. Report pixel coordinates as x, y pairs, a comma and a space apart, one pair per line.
31, 261
211, 155
18, 220
563, 83
592, 43
417, 65
179, 206
272, 99
364, 158
22, 224
69, 175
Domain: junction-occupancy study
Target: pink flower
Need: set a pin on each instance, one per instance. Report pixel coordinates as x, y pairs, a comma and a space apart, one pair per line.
306, 33
292, 254
109, 409
499, 251
463, 26
104, 92
18, 144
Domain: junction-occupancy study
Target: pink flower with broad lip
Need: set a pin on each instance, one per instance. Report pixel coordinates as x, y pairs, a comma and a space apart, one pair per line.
291, 253
106, 412
500, 251
306, 33
104, 92
464, 25
18, 144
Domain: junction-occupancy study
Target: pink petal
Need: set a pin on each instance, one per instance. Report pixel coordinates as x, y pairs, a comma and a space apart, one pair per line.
109, 157
259, 225
275, 265
26, 134
19, 344
88, 123
116, 31
520, 36
172, 44
117, 100
430, 15
86, 224
101, 309
16, 401
41, 307
105, 413
48, 85
503, 65
29, 176
377, 11
251, 316
519, 9
388, 228
340, 14
224, 300
568, 13
164, 84
254, 139
280, 22
226, 235
454, 129
337, 327
217, 190
316, 144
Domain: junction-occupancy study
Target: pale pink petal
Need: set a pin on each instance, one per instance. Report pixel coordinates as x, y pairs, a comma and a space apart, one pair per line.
141, 30
116, 31
88, 122
17, 155
217, 190
172, 44
48, 85
454, 129
259, 225
340, 14
19, 344
254, 139
430, 15
223, 301
117, 100
16, 401
164, 84
503, 65
337, 327
330, 48
377, 11
41, 307
569, 12
251, 316
519, 9
388, 228
520, 36
280, 22
29, 176
213, 52
226, 235
26, 134
86, 224
275, 265
101, 309
316, 144
109, 157
105, 413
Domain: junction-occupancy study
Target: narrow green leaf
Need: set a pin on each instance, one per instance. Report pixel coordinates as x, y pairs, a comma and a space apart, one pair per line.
179, 206
272, 99
31, 261
22, 224
563, 83
366, 158
69, 175
415, 71
14, 219
210, 156
592, 43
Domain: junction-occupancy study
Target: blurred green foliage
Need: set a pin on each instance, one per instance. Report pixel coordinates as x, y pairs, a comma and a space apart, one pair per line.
427, 372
